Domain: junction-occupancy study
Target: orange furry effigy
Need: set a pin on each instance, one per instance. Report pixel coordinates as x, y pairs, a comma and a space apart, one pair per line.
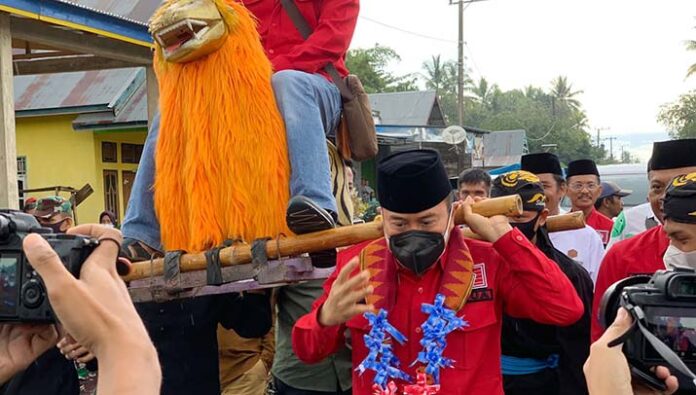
222, 168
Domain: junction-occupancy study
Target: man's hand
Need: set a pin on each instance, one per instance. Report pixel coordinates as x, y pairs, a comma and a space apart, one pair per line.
97, 311
21, 344
607, 371
73, 350
490, 229
345, 296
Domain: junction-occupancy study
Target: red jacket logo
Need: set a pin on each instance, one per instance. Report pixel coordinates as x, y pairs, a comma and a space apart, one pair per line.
480, 280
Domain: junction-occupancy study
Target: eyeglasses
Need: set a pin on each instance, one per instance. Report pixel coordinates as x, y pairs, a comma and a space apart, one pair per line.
579, 186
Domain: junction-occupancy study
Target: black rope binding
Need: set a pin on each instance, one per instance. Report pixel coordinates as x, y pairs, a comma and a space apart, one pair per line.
213, 267
258, 252
172, 271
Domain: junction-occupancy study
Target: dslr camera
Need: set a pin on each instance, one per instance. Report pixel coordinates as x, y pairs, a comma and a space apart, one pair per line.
22, 292
663, 308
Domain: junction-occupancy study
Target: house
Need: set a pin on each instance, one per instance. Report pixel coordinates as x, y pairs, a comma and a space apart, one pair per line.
415, 119
503, 148
82, 127
40, 41
415, 108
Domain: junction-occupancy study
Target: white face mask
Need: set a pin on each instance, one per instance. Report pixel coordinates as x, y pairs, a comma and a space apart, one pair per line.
108, 225
676, 257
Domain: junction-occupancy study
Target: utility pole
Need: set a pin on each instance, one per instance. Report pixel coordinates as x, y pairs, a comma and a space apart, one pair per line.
599, 139
460, 61
460, 66
611, 147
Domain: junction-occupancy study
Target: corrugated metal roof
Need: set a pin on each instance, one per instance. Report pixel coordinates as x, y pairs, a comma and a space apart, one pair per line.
133, 10
132, 114
405, 108
72, 92
505, 147
124, 20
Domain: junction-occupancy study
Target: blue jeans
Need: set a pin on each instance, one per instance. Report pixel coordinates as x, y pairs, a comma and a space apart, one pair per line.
311, 108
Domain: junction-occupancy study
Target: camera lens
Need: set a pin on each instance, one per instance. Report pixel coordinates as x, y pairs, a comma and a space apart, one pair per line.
32, 294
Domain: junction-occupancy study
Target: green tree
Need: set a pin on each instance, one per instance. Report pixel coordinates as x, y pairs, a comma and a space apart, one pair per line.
371, 65
563, 94
442, 77
680, 116
435, 74
484, 92
563, 124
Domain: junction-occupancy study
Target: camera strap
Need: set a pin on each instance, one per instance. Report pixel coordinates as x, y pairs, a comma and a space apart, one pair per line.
665, 352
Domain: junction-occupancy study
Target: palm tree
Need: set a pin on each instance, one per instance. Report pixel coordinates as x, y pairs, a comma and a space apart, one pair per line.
562, 92
483, 91
435, 73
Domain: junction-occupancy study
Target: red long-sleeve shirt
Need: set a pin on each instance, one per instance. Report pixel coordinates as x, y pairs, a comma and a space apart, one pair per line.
641, 254
524, 284
601, 223
333, 23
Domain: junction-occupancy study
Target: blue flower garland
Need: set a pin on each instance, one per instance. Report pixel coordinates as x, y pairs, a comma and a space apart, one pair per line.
380, 357
441, 321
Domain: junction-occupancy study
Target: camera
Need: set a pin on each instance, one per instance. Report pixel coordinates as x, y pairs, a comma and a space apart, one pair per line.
22, 292
663, 307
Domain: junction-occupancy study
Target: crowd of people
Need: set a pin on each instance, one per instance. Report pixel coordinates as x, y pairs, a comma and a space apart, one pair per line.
528, 313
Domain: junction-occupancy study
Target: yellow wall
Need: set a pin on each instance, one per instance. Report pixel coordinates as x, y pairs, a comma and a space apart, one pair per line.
58, 155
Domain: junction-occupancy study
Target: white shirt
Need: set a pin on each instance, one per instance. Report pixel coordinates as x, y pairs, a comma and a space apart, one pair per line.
582, 245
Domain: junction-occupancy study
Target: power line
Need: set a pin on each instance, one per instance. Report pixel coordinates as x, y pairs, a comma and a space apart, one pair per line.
407, 31
471, 56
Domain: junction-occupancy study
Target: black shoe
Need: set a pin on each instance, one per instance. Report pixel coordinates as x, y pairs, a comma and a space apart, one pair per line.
137, 251
305, 216
323, 259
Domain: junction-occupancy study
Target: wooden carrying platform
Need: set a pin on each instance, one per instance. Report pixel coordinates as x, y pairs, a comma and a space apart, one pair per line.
243, 267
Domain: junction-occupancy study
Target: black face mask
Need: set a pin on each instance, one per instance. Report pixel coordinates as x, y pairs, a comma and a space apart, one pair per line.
56, 227
417, 250
527, 228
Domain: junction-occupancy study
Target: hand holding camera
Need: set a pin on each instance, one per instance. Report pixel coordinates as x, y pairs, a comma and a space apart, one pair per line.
658, 325
97, 311
76, 273
607, 371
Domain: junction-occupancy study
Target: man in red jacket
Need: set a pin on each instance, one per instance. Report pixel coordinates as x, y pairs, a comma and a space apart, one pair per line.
423, 255
584, 188
643, 254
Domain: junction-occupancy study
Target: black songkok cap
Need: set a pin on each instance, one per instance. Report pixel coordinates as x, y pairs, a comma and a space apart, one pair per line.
541, 163
412, 181
582, 167
680, 199
673, 154
522, 183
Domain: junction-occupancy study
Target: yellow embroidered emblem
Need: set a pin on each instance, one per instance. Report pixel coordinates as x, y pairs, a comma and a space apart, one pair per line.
684, 179
537, 199
513, 178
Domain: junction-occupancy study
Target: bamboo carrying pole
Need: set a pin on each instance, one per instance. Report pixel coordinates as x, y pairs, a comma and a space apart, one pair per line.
313, 242
554, 223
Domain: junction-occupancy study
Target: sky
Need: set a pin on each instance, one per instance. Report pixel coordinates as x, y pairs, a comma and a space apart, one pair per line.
628, 57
